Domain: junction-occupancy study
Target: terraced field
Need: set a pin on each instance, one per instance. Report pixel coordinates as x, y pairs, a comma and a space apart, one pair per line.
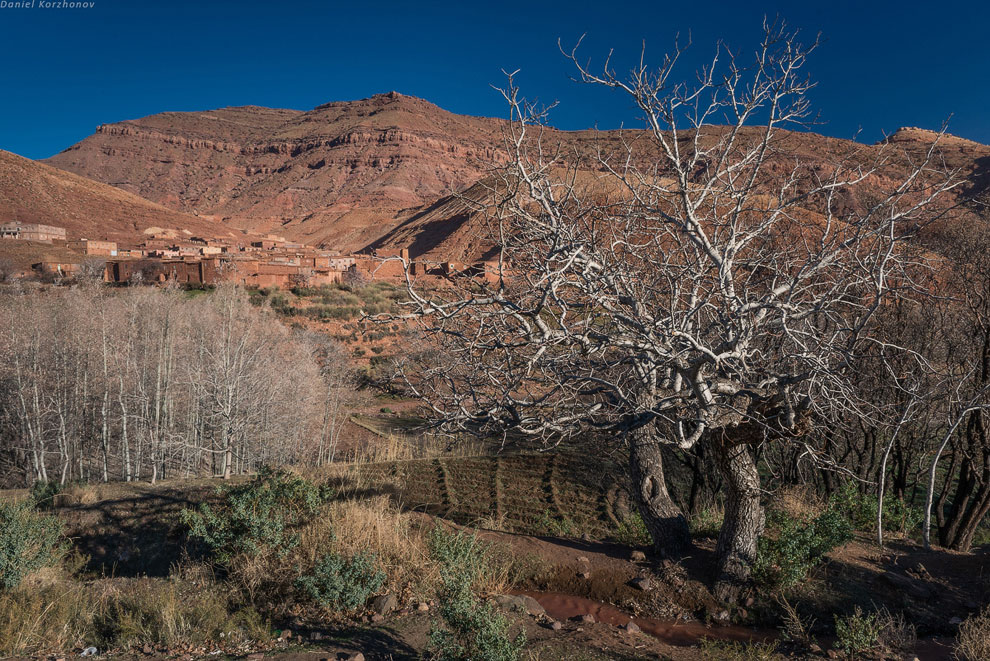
563, 493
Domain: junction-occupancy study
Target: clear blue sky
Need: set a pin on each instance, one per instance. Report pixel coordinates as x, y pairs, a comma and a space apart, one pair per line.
64, 71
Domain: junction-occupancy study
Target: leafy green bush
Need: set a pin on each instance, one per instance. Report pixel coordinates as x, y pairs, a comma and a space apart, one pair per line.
472, 629
857, 632
791, 546
29, 540
861, 510
259, 516
342, 584
43, 494
632, 531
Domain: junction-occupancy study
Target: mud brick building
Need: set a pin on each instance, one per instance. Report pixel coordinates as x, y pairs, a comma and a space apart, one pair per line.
32, 232
89, 247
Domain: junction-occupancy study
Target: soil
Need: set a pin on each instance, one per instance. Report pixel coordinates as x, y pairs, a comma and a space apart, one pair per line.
129, 530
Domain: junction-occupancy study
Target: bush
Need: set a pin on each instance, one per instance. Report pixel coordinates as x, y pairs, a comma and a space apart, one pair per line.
791, 546
857, 632
973, 639
471, 630
632, 531
256, 517
42, 495
861, 510
341, 584
29, 540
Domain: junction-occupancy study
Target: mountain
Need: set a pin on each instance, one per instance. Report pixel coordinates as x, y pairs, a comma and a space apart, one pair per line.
337, 175
389, 171
33, 192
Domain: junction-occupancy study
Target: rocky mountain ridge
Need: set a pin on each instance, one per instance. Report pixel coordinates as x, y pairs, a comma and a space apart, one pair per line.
382, 171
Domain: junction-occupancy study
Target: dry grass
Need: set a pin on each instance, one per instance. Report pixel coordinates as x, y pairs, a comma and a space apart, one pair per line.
399, 541
799, 502
56, 615
796, 629
395, 446
377, 526
973, 638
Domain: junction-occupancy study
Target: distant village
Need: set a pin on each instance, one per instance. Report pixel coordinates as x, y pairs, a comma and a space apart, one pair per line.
259, 261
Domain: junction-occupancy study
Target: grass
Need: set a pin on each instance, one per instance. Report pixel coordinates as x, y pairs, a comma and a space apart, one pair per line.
117, 614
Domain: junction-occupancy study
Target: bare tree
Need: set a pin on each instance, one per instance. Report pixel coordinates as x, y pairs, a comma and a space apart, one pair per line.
700, 282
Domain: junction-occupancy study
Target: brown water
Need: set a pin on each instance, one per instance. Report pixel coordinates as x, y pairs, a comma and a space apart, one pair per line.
673, 632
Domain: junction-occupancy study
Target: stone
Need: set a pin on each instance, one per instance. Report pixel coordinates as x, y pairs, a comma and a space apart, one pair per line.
521, 603
556, 626
377, 618
642, 583
632, 627
587, 618
356, 656
956, 621
316, 635
147, 649
637, 556
583, 558
585, 575
384, 604
422, 607
749, 602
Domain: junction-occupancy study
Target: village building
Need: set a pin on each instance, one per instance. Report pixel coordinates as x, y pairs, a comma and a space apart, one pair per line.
31, 232
90, 247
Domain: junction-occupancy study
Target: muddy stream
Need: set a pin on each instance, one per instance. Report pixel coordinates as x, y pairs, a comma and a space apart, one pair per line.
673, 632
681, 633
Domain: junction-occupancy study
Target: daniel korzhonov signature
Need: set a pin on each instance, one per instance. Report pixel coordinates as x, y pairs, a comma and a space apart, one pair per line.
47, 4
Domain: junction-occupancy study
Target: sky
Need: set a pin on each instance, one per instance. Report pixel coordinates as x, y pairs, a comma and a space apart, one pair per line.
64, 71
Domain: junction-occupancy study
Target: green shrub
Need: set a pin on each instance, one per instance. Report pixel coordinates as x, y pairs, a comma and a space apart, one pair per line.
861, 510
791, 546
341, 584
632, 531
857, 632
29, 540
707, 522
259, 516
43, 494
471, 629
558, 526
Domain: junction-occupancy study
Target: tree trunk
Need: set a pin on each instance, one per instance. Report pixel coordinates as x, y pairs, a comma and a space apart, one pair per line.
737, 541
663, 518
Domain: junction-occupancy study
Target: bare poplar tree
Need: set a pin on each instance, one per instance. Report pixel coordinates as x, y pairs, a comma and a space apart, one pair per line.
699, 282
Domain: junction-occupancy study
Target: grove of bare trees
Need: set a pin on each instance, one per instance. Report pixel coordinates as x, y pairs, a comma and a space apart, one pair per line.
149, 383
